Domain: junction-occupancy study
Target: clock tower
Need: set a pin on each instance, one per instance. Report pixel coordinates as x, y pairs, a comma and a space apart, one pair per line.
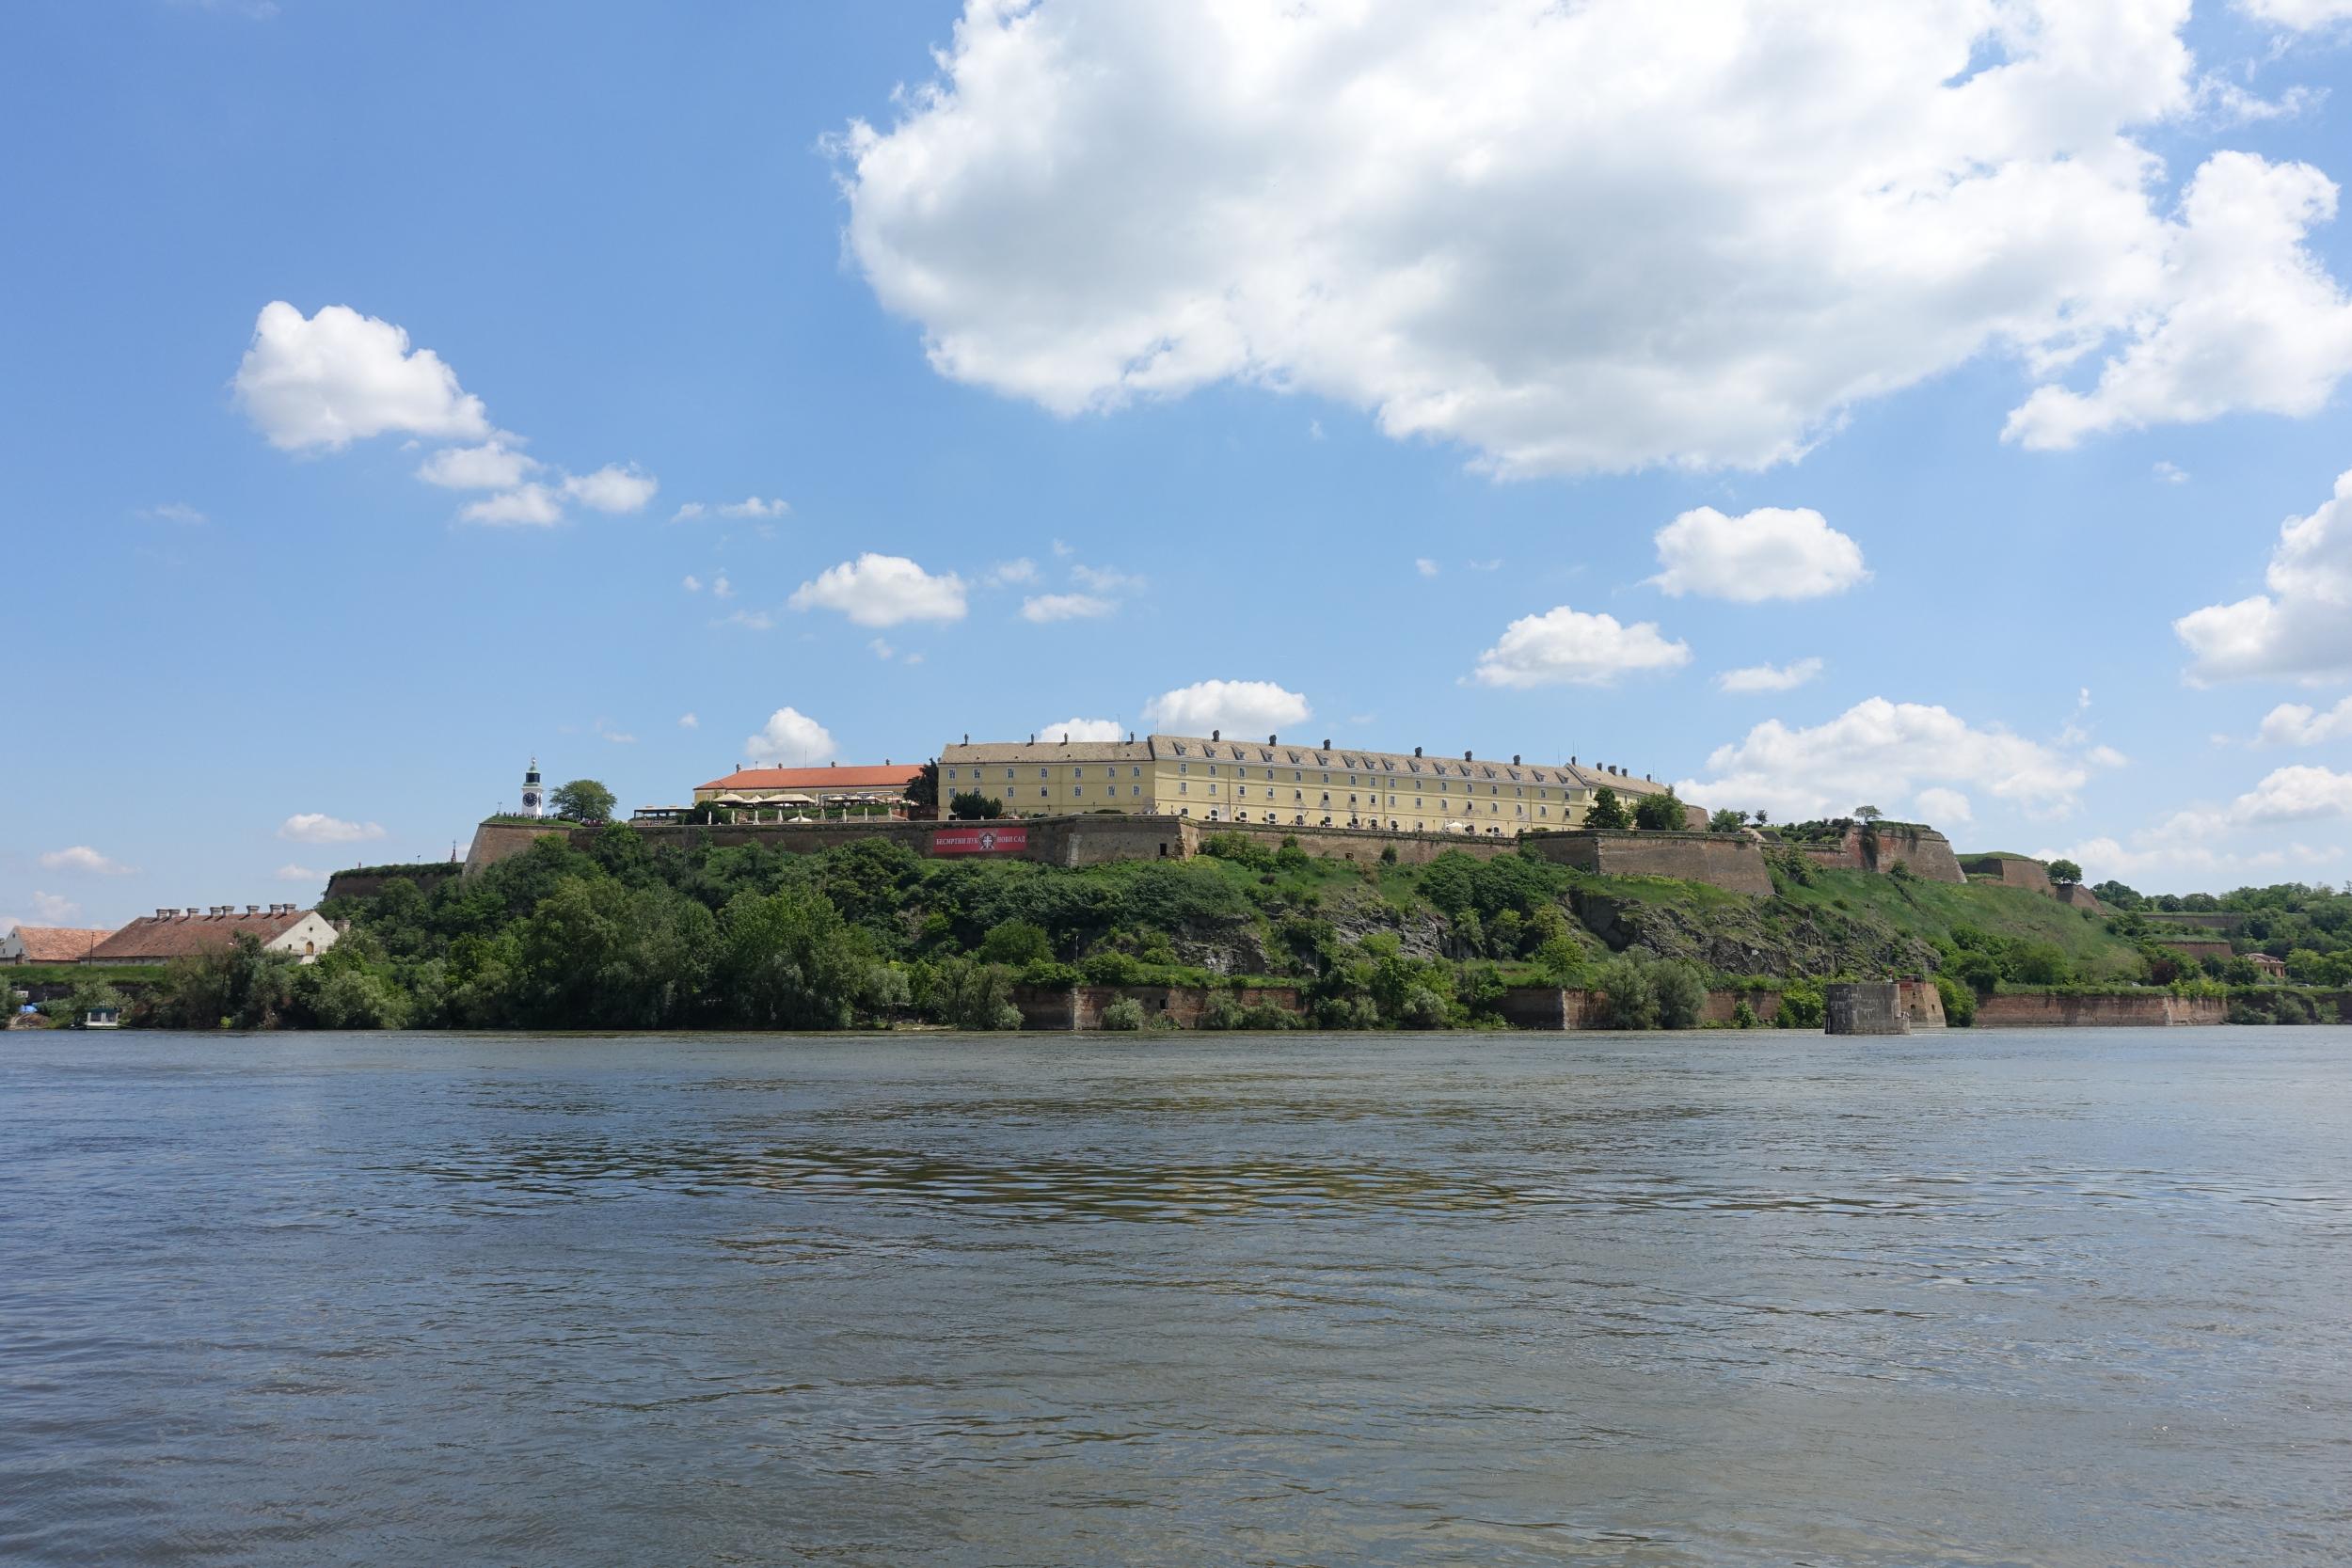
534, 799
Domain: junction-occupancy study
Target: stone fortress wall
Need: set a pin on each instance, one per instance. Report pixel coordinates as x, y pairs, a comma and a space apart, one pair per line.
1925, 852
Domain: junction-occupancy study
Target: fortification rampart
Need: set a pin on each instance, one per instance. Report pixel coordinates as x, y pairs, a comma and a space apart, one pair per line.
2155, 1007
2010, 871
1924, 852
367, 881
1730, 860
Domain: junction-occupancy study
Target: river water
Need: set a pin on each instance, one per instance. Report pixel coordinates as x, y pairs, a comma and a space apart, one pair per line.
2065, 1298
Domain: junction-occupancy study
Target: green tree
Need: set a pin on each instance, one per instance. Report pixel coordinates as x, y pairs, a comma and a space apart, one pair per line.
583, 800
923, 791
1682, 992
1660, 813
788, 961
1631, 1001
2065, 872
1016, 943
970, 805
1607, 813
2118, 894
1868, 814
1725, 822
1125, 1014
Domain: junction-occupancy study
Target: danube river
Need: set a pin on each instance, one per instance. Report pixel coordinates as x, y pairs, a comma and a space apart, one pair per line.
2000, 1298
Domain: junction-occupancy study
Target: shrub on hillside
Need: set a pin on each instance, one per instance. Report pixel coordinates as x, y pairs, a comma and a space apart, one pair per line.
1960, 1002
1682, 992
1631, 1002
1125, 1015
1802, 1006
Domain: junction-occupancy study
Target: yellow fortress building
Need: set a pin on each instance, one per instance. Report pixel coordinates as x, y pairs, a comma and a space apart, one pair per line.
1218, 780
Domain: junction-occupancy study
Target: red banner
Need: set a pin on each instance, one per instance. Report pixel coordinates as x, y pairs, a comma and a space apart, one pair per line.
988, 839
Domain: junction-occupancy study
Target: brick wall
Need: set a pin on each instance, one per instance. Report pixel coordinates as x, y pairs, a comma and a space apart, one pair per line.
367, 884
2196, 947
2011, 871
1729, 861
1927, 853
2148, 1007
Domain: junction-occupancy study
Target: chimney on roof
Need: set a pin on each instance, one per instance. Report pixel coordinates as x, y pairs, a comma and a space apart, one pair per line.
1271, 739
1515, 758
1065, 738
1216, 734
1326, 742
1466, 756
968, 737
163, 915
1416, 750
253, 908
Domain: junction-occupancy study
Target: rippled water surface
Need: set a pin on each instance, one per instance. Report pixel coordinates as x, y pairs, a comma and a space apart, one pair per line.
2004, 1298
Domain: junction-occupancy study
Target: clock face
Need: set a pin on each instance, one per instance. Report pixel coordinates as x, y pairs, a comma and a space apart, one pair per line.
531, 797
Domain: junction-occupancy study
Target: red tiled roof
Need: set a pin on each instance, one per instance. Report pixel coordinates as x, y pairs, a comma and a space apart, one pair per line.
890, 776
57, 944
153, 937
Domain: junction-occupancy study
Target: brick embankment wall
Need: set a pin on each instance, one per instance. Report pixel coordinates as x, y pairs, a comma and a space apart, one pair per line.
1721, 1005
2196, 947
2147, 1009
1865, 1007
1728, 860
2076, 897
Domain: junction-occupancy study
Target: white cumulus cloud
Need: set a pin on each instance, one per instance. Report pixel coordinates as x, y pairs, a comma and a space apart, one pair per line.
1938, 805
1021, 569
884, 590
337, 377
2250, 318
1587, 237
529, 506
1241, 706
492, 466
2301, 15
791, 737
2302, 628
2296, 794
1572, 647
1770, 553
1770, 677
753, 506
1880, 751
1082, 729
613, 488
81, 857
2299, 724
1042, 608
312, 826
687, 722
290, 872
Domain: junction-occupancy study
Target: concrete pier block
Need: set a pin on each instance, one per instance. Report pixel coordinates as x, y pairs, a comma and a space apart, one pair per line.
1865, 1007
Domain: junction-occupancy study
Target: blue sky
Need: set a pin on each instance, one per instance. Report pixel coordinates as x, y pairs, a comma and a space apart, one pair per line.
1356, 356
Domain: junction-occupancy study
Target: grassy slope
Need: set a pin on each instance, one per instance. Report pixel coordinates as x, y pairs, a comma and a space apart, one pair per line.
1930, 912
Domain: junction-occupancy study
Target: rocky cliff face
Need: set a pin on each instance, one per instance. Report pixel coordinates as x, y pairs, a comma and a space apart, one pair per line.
1763, 938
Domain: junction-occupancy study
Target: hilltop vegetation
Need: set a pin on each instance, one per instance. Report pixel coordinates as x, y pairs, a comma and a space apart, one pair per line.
620, 935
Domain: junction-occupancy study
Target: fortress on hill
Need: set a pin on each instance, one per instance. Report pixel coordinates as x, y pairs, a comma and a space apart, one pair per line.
1075, 803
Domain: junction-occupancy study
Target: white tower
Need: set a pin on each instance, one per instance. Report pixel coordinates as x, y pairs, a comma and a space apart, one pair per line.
533, 800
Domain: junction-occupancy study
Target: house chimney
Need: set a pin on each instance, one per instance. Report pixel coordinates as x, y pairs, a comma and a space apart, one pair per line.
1515, 759
1326, 742
1216, 734
1270, 739
1466, 756
1416, 750
968, 737
253, 908
164, 914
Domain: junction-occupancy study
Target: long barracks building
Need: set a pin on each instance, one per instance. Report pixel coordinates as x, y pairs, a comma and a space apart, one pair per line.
1219, 780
